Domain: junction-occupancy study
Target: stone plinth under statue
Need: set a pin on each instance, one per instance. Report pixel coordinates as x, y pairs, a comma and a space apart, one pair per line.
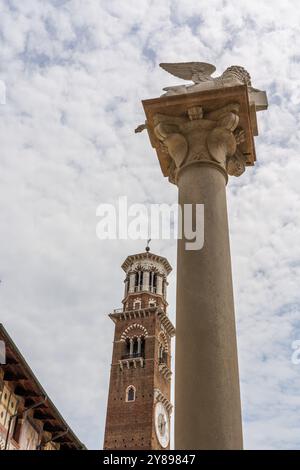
200, 138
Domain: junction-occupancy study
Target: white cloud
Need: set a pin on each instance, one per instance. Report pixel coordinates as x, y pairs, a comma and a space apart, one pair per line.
75, 75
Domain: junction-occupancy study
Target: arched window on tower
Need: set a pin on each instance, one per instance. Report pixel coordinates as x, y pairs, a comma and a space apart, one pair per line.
134, 347
164, 287
130, 393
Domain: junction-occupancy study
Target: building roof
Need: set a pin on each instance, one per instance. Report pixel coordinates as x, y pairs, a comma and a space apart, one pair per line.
27, 386
146, 254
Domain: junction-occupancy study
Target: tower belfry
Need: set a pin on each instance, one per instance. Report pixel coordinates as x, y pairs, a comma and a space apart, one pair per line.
139, 407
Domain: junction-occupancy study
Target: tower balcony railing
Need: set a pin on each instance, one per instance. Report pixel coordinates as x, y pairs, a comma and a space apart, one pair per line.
133, 355
118, 310
132, 308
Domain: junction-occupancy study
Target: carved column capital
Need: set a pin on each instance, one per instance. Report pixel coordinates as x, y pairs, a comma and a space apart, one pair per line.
201, 137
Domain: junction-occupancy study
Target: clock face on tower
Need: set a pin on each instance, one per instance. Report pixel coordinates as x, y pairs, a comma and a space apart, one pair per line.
162, 424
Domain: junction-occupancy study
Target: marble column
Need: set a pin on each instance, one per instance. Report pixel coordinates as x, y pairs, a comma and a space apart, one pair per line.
126, 287
139, 344
146, 281
201, 138
131, 346
208, 410
159, 284
131, 282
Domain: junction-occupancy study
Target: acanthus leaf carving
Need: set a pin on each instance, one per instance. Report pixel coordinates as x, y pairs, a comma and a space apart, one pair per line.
212, 136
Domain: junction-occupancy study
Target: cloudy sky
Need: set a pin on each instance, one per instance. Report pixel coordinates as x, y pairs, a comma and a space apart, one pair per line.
75, 74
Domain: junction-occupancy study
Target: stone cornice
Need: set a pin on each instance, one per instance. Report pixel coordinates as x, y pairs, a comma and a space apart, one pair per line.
165, 371
166, 322
132, 314
159, 396
131, 361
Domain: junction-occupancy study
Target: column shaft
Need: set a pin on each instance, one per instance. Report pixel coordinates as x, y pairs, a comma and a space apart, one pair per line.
139, 345
131, 347
159, 284
146, 281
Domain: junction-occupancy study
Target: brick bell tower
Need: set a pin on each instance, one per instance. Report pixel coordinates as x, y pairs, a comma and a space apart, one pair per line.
139, 407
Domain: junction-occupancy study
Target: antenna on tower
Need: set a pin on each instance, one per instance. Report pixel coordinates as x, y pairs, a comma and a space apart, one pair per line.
148, 247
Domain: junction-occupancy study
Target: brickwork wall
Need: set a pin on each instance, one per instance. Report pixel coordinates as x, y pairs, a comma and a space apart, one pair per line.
130, 425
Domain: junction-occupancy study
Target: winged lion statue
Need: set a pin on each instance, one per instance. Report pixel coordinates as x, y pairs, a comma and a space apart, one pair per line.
201, 74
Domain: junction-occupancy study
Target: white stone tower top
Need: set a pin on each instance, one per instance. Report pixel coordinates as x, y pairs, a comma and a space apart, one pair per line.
145, 281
